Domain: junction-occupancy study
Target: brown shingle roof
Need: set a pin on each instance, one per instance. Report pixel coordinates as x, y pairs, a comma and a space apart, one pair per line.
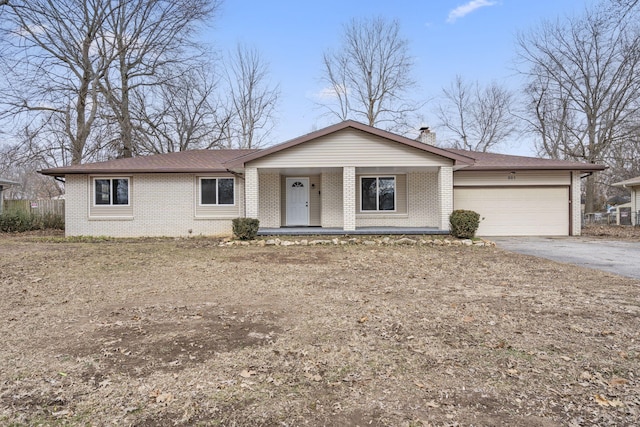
492, 161
216, 161
193, 161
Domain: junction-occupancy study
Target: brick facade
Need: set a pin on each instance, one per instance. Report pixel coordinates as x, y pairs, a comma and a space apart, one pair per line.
163, 205
251, 192
445, 191
331, 199
423, 205
576, 208
269, 200
349, 198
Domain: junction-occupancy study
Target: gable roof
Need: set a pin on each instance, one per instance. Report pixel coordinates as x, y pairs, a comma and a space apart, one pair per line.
628, 183
459, 159
492, 161
191, 161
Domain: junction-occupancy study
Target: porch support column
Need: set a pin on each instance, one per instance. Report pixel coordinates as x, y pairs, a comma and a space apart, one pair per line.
251, 192
445, 190
349, 198
574, 204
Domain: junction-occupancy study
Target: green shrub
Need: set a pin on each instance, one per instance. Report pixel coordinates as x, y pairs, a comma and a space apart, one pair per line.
50, 221
245, 228
464, 223
19, 221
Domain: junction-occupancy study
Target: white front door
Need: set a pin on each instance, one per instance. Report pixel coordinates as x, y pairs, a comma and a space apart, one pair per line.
297, 201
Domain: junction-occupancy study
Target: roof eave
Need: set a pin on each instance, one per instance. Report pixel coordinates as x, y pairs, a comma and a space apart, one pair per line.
62, 172
580, 168
626, 184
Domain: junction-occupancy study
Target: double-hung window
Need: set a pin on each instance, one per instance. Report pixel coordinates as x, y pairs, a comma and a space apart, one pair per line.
111, 191
378, 193
217, 191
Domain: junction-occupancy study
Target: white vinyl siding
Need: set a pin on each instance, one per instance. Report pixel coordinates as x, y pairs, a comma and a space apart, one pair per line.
510, 178
351, 147
517, 211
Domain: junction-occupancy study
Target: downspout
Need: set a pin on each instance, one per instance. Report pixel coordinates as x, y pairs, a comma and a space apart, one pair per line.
236, 174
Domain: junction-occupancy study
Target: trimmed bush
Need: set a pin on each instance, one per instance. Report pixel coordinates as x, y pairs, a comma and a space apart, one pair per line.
245, 228
464, 223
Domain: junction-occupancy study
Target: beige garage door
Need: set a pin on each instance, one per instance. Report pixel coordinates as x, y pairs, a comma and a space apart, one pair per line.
517, 211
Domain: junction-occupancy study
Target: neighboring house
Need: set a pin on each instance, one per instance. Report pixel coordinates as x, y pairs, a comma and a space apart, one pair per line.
4, 183
348, 177
633, 185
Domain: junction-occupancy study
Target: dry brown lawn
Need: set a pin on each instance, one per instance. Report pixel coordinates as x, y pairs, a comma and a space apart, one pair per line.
164, 332
617, 232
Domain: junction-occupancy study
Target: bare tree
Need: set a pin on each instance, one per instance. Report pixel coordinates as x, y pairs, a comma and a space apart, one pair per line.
478, 117
146, 39
52, 69
369, 77
626, 6
21, 166
183, 115
252, 99
583, 86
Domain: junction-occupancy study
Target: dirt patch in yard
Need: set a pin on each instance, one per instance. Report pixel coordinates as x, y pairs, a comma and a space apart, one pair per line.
141, 341
156, 332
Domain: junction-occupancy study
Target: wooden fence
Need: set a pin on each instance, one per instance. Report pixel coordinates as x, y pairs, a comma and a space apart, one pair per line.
41, 206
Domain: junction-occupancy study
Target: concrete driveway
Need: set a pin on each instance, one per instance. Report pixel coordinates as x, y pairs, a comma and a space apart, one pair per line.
613, 256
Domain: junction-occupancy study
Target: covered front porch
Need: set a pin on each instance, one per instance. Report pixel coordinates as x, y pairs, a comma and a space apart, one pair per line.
350, 200
359, 231
350, 178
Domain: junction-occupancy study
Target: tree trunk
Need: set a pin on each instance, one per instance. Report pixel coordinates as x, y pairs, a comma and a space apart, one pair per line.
590, 194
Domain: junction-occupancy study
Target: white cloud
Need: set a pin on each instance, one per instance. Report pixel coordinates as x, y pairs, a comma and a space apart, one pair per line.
327, 93
465, 9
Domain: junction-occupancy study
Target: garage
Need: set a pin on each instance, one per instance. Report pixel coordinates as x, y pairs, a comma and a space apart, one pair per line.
517, 211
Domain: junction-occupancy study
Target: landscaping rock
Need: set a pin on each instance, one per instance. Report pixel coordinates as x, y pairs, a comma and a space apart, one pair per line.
406, 241
336, 241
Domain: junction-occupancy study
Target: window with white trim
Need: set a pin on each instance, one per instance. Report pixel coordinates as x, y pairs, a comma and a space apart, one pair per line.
377, 193
217, 191
111, 191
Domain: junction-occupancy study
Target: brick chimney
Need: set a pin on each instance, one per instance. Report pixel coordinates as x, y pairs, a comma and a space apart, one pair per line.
426, 136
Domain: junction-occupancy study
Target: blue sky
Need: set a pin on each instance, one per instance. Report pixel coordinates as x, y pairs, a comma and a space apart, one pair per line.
473, 38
